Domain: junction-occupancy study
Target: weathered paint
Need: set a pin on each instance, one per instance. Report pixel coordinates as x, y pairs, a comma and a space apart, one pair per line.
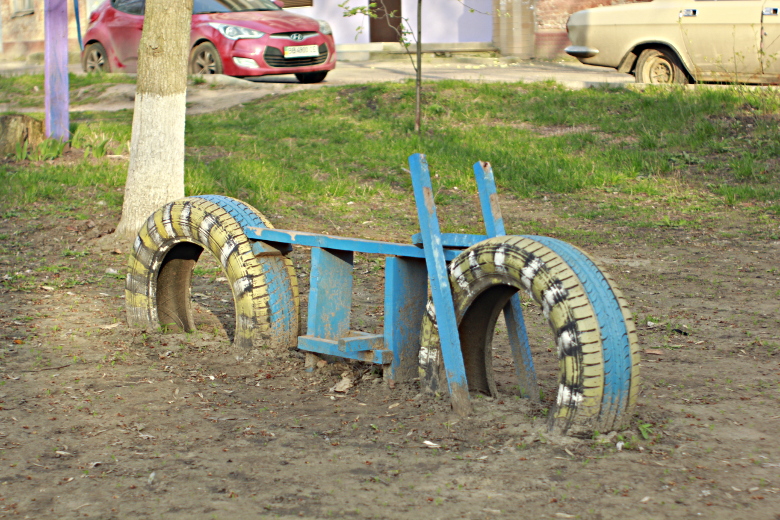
56, 70
330, 298
459, 240
331, 347
406, 292
488, 199
513, 312
360, 341
440, 285
358, 245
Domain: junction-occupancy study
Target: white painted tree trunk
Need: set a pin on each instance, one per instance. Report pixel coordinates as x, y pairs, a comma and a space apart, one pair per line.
156, 172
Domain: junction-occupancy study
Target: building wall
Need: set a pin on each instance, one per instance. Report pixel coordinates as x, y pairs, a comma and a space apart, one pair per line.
24, 35
551, 17
444, 21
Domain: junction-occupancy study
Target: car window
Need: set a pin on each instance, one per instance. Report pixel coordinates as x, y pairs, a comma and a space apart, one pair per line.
232, 6
129, 6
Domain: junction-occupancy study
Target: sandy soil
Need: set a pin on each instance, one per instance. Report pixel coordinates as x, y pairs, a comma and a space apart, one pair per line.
98, 420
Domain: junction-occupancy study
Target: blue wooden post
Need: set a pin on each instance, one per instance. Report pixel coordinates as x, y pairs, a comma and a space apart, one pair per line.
406, 291
440, 285
330, 296
56, 69
513, 313
78, 23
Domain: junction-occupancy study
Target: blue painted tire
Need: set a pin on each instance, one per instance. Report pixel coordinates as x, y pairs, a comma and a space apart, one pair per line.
598, 356
157, 288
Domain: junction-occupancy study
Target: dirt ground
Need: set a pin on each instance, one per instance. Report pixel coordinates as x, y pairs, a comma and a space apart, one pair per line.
99, 420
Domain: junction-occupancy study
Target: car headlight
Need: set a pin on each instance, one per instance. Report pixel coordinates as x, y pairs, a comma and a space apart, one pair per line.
325, 27
236, 32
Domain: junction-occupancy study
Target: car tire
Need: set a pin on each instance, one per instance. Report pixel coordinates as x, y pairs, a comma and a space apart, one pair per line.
204, 59
167, 249
661, 67
311, 77
95, 59
592, 325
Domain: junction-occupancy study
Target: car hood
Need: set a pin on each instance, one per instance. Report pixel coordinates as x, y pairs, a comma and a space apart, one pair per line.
265, 21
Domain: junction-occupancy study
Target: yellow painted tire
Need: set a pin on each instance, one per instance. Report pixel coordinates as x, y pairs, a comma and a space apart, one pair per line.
157, 288
598, 354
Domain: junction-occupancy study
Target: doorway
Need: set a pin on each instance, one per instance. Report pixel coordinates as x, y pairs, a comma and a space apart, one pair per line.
386, 28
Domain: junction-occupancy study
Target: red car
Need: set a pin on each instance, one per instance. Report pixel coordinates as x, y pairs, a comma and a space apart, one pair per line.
233, 37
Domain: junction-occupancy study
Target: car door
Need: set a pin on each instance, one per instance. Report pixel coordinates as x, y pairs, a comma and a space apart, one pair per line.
125, 27
723, 37
770, 37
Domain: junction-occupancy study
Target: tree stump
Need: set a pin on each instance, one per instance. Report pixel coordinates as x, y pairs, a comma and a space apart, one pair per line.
16, 129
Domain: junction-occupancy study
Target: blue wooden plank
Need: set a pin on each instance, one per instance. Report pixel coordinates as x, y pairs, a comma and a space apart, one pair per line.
406, 292
360, 341
331, 348
330, 296
453, 239
357, 245
488, 199
513, 311
440, 285
261, 248
57, 98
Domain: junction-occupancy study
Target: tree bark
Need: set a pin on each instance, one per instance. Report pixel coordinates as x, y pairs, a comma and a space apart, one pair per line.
156, 172
418, 78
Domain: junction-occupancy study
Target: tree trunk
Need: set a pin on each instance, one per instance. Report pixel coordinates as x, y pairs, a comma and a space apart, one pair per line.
418, 78
156, 172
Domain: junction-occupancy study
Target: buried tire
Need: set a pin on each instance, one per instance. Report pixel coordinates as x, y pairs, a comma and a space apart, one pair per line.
598, 377
169, 244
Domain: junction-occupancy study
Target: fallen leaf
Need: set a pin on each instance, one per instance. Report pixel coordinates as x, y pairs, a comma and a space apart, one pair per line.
654, 352
343, 385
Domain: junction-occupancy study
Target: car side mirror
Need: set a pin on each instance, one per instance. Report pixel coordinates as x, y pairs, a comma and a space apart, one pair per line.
280, 3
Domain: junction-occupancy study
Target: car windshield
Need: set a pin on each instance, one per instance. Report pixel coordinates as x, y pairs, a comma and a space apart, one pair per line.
232, 6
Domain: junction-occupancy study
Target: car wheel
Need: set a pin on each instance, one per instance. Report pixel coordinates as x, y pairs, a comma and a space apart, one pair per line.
659, 66
95, 59
205, 59
311, 77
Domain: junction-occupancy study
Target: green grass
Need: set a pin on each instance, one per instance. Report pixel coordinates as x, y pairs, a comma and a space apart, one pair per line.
28, 90
352, 143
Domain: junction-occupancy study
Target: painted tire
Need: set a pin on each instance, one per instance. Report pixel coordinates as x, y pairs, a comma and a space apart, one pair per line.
157, 289
590, 321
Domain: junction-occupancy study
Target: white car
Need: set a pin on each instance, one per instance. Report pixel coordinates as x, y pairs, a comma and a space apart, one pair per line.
682, 41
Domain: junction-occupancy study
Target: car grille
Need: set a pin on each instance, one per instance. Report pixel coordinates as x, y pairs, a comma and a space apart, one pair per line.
275, 58
286, 36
